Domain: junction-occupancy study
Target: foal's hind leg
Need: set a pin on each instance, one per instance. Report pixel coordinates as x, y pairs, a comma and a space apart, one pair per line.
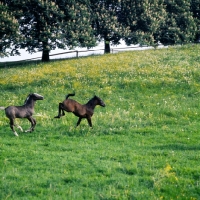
79, 121
33, 123
12, 127
60, 111
19, 128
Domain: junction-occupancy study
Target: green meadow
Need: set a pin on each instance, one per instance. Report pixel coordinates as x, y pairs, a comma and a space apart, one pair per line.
145, 144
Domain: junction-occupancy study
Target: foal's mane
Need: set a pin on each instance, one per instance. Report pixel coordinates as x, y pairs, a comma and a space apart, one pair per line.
91, 100
28, 97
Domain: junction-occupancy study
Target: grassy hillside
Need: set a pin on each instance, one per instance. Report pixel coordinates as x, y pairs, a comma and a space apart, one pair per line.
144, 144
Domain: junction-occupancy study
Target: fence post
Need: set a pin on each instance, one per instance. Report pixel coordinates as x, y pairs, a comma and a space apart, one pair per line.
77, 53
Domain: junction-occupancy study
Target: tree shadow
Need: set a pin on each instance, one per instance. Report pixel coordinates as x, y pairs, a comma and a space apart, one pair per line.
178, 147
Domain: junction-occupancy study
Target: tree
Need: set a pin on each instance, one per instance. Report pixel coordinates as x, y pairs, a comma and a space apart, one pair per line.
48, 24
9, 33
40, 21
105, 22
144, 19
180, 26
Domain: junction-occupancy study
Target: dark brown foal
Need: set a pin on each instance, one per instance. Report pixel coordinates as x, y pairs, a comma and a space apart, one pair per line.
81, 111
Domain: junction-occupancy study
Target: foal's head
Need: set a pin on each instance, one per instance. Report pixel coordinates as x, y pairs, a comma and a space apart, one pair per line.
33, 96
36, 96
99, 101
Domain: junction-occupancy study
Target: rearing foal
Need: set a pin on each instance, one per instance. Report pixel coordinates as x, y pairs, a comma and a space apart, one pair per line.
25, 111
81, 111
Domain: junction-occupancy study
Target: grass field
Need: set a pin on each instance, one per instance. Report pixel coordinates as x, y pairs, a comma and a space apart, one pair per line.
144, 144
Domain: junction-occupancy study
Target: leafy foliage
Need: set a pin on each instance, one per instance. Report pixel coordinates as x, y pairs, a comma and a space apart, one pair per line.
195, 9
77, 30
144, 19
180, 26
8, 30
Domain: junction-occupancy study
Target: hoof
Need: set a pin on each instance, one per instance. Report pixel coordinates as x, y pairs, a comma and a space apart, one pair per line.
15, 133
20, 128
29, 131
57, 117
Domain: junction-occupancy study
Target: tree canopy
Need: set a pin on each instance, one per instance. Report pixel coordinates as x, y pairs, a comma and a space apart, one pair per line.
195, 9
144, 18
9, 33
43, 25
179, 26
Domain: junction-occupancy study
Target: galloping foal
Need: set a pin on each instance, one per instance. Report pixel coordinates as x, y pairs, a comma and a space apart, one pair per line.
81, 111
25, 111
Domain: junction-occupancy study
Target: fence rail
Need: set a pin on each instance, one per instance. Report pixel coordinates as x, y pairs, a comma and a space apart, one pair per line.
77, 52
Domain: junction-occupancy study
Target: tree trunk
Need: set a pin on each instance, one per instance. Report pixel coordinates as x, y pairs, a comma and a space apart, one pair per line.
107, 47
45, 56
45, 52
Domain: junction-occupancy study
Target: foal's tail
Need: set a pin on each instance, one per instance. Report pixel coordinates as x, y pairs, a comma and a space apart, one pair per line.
2, 108
70, 95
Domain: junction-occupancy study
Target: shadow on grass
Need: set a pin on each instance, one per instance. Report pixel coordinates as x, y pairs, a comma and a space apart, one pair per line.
179, 147
19, 64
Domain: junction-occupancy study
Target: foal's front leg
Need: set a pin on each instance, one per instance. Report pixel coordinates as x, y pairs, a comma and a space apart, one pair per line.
12, 127
33, 123
89, 121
